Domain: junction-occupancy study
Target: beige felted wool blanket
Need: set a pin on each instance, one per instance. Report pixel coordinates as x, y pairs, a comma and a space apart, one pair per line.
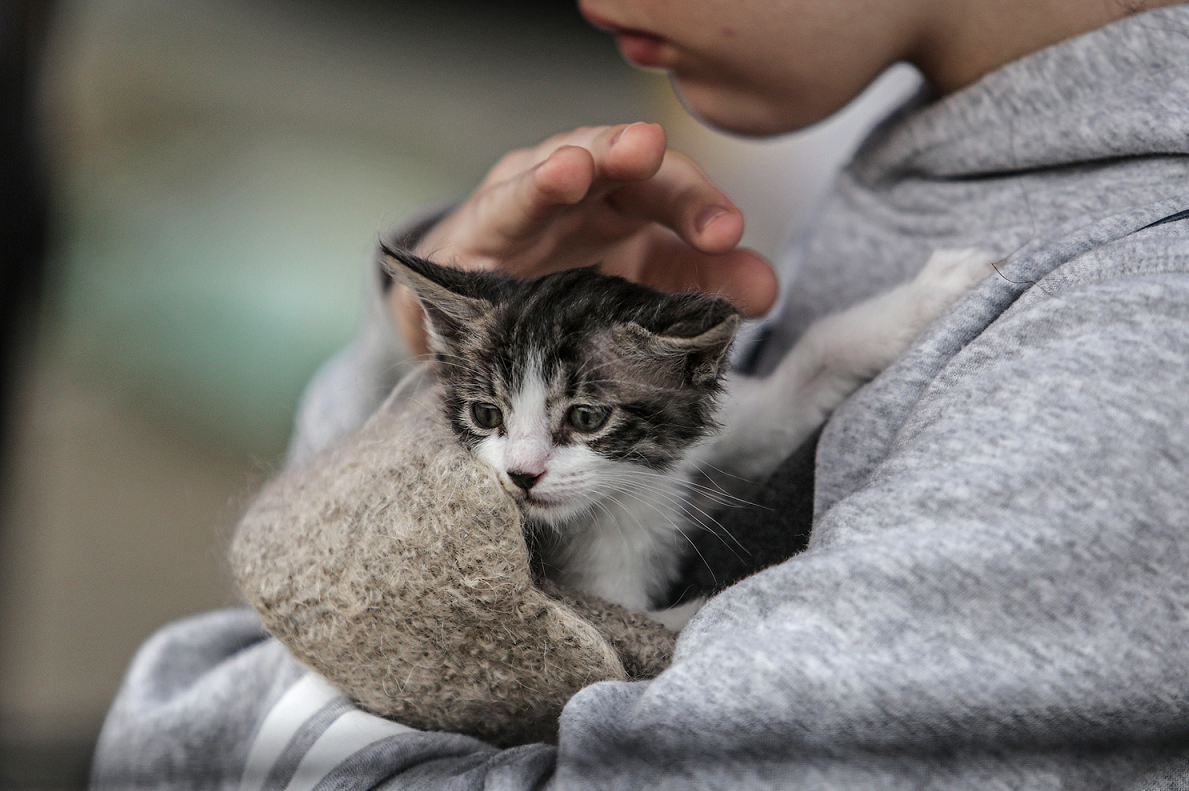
395, 566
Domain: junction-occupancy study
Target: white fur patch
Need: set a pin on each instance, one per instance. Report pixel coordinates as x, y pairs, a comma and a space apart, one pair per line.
628, 550
529, 439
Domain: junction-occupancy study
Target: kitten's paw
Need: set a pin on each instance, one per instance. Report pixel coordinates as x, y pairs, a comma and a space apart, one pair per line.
947, 275
675, 618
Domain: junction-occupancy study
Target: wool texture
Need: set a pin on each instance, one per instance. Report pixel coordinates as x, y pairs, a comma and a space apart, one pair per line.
396, 567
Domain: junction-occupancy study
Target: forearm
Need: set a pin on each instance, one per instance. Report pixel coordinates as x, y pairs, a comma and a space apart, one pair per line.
214, 702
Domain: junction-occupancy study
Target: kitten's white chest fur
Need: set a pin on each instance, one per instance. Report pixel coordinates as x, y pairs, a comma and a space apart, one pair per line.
619, 528
630, 548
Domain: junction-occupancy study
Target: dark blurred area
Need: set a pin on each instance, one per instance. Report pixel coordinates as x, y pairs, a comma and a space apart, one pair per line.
24, 206
191, 191
23, 181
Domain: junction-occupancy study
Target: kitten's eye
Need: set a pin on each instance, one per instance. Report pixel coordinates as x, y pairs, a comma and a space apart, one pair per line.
588, 418
487, 415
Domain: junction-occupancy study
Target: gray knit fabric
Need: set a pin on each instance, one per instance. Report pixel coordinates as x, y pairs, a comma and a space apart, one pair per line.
995, 594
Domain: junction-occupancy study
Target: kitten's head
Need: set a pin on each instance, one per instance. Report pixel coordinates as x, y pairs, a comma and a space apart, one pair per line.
572, 386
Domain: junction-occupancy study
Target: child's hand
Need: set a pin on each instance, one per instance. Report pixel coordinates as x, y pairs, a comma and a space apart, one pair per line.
613, 196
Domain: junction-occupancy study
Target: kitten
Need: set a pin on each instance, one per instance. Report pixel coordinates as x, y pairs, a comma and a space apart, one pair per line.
592, 399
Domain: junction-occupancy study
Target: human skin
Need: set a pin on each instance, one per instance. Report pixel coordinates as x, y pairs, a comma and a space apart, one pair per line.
618, 197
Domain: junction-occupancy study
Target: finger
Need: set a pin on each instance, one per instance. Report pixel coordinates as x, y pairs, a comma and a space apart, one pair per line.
682, 198
521, 206
624, 152
741, 276
581, 164
631, 152
515, 162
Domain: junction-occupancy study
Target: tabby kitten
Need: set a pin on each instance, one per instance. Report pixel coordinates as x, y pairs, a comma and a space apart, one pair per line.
590, 398
582, 392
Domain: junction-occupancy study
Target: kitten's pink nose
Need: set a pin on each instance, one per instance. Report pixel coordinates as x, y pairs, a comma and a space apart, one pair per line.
524, 480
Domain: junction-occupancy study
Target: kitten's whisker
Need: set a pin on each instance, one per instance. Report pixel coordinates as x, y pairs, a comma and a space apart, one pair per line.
717, 495
699, 465
725, 501
676, 529
615, 520
704, 521
682, 506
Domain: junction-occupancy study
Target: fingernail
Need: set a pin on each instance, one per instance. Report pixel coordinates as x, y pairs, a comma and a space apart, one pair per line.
707, 216
619, 134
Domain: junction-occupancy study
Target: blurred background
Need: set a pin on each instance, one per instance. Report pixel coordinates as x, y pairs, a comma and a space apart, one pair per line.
191, 191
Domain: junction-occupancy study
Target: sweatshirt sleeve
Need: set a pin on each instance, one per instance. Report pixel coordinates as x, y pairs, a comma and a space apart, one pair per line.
214, 702
999, 603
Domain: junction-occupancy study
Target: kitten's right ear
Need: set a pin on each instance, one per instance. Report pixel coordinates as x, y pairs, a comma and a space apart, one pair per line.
442, 291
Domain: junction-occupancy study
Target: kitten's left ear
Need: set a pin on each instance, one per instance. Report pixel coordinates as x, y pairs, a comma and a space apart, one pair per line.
701, 356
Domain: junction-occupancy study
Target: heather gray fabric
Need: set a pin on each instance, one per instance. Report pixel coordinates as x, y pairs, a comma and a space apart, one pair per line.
995, 592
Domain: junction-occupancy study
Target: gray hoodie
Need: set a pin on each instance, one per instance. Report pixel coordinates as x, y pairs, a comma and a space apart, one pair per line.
995, 592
